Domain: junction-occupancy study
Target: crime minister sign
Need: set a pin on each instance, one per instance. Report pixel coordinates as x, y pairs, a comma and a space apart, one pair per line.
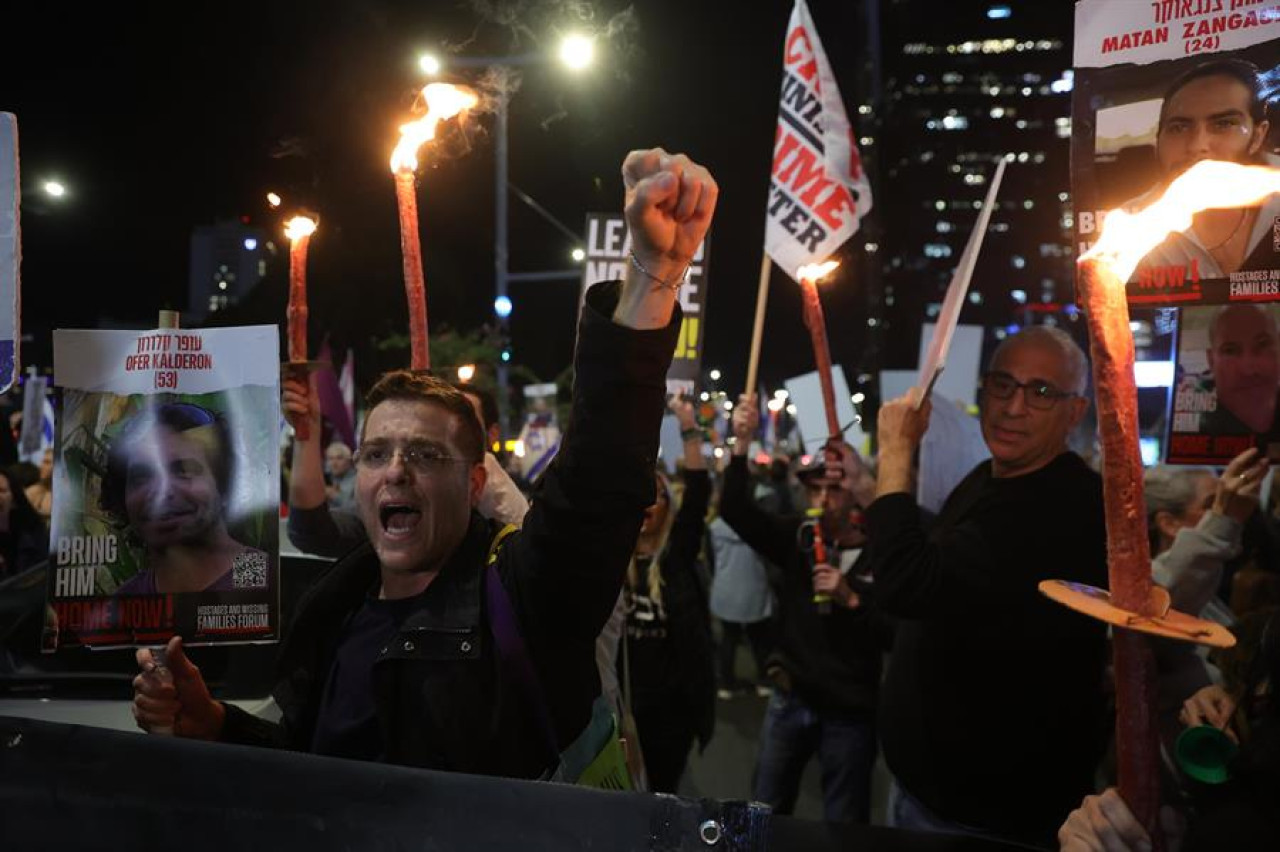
608, 247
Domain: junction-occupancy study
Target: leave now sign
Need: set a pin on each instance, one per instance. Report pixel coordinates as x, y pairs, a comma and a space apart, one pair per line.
608, 249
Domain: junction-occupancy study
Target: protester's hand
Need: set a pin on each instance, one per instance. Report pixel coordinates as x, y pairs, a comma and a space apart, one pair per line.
846, 468
830, 582
745, 422
300, 400
1103, 823
684, 410
669, 203
1209, 706
1240, 485
175, 698
900, 426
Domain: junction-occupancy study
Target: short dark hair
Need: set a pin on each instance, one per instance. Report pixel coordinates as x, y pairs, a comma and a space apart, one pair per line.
179, 417
417, 386
1238, 69
488, 404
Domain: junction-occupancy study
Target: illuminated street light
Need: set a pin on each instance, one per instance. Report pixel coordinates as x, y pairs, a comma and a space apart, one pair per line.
502, 306
466, 372
429, 64
578, 255
577, 51
715, 375
54, 189
273, 200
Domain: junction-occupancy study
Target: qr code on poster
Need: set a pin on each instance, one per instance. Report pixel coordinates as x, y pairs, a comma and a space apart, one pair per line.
249, 570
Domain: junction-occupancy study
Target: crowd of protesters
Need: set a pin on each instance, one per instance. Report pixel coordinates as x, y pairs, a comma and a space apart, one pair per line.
472, 623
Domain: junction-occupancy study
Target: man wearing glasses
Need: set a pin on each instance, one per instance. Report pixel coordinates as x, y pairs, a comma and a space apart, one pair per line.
990, 685
394, 655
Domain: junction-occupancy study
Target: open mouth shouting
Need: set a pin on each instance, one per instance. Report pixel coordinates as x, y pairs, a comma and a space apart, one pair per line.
399, 520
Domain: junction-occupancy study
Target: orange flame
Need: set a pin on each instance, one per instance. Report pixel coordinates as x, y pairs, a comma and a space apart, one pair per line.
444, 101
299, 227
1210, 184
815, 272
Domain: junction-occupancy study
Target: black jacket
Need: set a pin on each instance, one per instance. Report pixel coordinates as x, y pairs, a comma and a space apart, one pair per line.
832, 660
991, 686
676, 671
440, 698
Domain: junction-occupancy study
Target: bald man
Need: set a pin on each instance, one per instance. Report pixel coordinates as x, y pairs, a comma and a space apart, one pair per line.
1244, 360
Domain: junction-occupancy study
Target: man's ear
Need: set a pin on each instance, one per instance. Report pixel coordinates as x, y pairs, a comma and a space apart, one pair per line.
1079, 407
478, 477
1167, 524
1258, 136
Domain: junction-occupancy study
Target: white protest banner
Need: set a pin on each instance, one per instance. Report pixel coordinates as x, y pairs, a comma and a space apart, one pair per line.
166, 492
819, 192
952, 447
959, 382
608, 248
805, 393
10, 250
936, 360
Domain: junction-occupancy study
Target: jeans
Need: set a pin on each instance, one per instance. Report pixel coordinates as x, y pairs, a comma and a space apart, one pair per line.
846, 749
759, 634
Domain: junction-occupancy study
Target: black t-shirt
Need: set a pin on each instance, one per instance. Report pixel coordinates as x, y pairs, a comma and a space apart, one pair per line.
347, 725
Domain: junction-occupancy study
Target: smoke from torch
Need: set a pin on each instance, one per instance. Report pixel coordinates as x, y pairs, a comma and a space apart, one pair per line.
443, 101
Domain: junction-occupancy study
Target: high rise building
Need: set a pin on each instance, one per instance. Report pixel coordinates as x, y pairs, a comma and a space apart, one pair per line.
963, 84
227, 261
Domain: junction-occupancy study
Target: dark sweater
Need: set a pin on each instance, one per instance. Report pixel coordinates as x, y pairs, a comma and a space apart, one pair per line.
832, 661
993, 712
670, 646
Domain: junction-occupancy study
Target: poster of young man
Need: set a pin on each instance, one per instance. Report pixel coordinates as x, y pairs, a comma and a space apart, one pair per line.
1158, 87
166, 488
1228, 382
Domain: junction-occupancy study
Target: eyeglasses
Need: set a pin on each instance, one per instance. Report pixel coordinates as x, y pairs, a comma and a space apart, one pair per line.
420, 457
1038, 393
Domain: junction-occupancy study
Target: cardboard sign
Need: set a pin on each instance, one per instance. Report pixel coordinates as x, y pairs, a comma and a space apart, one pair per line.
805, 393
608, 250
166, 491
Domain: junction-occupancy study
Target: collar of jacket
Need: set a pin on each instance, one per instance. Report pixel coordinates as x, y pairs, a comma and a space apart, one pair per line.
451, 603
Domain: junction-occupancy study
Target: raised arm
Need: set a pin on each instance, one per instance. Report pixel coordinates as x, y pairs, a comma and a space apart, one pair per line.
769, 535
581, 530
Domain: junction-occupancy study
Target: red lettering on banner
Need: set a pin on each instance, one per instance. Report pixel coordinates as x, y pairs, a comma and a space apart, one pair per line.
831, 206
810, 68
784, 148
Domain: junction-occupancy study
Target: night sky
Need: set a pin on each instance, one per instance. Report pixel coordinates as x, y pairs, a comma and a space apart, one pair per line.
184, 118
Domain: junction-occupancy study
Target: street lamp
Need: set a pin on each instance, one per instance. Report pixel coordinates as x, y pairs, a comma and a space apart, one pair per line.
576, 52
466, 373
578, 255
54, 189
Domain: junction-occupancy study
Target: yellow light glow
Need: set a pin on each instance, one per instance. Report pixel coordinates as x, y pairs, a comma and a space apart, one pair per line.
444, 101
298, 227
273, 200
577, 51
815, 272
466, 372
1210, 184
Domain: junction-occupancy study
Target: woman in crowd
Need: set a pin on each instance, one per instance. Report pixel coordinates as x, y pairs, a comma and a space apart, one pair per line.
666, 661
24, 539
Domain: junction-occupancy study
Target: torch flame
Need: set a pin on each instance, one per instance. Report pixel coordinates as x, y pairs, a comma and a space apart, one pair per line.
1210, 184
299, 227
815, 272
444, 101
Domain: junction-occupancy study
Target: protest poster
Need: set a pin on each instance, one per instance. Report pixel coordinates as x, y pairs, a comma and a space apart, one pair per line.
608, 253
1228, 381
805, 393
818, 190
166, 488
952, 447
1159, 86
